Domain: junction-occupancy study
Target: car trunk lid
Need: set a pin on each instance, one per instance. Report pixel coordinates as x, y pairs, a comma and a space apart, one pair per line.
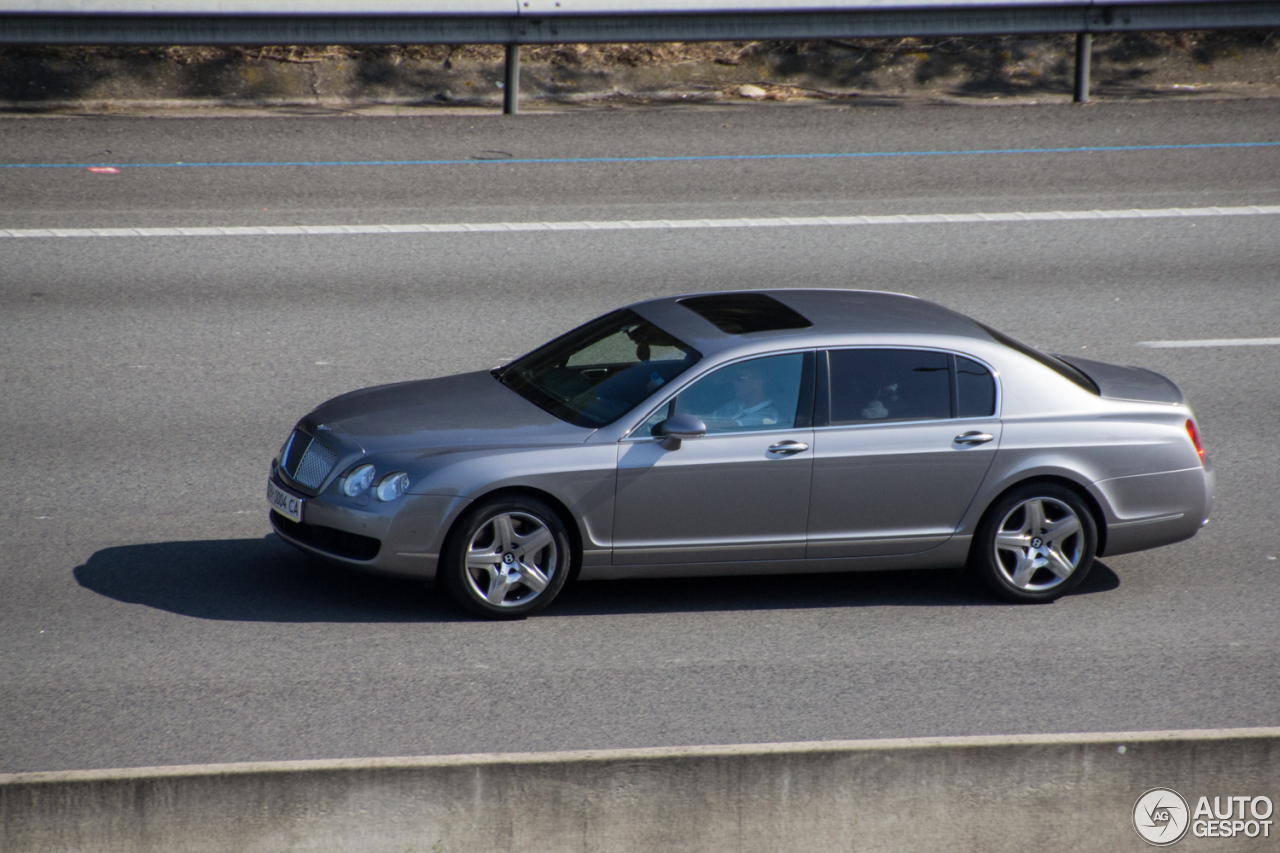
1126, 383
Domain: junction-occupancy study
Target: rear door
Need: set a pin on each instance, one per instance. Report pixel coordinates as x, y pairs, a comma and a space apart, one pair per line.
903, 439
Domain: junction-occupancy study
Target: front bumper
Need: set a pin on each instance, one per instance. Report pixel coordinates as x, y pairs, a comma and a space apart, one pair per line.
400, 538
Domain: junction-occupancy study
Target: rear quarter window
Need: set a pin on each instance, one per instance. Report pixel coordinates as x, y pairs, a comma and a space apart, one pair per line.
975, 389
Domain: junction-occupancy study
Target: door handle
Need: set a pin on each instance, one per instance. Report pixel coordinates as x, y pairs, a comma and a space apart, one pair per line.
786, 448
973, 437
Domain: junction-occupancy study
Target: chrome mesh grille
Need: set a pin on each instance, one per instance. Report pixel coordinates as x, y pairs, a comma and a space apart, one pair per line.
316, 464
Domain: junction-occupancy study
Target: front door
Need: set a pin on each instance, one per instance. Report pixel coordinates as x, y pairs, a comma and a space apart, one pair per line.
739, 493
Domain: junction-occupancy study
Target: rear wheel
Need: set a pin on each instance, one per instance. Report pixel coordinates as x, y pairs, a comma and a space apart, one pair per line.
507, 558
1035, 544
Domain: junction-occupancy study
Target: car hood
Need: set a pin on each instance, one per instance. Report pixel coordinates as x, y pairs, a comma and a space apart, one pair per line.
1126, 383
469, 410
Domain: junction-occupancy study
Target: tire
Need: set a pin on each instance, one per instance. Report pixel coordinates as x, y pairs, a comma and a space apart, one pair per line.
1034, 544
507, 558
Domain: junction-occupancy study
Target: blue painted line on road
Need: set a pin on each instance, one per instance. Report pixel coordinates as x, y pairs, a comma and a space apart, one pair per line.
710, 158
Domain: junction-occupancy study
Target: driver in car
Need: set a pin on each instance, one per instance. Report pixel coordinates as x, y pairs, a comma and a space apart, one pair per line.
751, 405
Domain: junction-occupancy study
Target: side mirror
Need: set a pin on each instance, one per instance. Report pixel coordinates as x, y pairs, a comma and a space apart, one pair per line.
679, 427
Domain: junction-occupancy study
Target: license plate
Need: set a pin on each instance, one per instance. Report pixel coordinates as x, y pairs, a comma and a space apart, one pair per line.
290, 506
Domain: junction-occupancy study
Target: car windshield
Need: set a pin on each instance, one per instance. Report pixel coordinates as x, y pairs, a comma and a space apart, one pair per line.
597, 373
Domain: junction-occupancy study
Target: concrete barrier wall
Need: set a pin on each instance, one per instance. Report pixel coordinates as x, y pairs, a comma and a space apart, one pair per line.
1023, 793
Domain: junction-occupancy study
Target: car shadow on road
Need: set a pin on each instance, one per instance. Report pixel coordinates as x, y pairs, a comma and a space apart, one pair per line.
254, 580
265, 580
924, 588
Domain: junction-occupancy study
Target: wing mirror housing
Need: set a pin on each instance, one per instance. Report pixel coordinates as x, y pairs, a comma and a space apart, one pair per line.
677, 428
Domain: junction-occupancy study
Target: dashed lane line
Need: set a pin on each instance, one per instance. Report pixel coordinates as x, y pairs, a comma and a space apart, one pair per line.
1213, 342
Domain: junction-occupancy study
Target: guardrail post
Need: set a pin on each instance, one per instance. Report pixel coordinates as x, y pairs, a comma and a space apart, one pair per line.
1084, 53
511, 85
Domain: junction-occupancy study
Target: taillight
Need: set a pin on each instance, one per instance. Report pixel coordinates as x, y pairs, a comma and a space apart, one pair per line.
1195, 438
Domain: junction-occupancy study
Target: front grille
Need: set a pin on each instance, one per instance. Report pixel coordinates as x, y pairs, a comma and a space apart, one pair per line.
340, 543
316, 464
308, 461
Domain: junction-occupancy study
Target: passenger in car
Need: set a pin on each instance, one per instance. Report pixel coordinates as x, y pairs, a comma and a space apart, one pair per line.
876, 409
884, 394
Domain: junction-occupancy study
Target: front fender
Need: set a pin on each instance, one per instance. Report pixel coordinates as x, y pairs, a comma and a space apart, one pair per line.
581, 476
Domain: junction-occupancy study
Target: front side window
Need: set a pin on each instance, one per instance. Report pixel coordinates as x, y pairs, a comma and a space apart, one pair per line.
759, 394
871, 385
595, 374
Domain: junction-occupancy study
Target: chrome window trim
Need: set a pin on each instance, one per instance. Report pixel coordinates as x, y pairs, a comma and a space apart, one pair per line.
886, 423
722, 434
995, 375
667, 400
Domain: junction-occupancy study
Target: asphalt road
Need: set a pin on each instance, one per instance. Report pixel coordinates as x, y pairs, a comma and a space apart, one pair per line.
147, 616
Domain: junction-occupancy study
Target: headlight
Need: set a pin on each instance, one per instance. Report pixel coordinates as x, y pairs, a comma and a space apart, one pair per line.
393, 486
357, 481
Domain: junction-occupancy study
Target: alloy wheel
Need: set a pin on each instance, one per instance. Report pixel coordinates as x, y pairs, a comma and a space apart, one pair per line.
511, 559
1039, 544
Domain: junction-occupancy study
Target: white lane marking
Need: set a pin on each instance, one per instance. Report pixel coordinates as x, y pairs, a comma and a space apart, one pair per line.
1213, 342
644, 224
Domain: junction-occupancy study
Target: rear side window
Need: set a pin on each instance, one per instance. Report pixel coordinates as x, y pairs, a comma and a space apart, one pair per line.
870, 385
976, 387
889, 385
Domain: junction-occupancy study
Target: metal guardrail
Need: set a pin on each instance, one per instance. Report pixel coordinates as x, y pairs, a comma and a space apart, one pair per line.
517, 22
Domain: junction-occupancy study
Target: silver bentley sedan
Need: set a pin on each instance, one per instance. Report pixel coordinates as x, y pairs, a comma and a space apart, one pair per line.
742, 433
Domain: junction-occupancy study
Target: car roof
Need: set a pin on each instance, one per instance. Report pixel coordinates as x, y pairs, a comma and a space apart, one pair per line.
843, 314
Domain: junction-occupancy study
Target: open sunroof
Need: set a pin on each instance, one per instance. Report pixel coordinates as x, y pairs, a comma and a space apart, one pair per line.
742, 313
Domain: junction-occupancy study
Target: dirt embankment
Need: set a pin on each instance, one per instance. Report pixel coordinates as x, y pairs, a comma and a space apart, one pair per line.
1243, 63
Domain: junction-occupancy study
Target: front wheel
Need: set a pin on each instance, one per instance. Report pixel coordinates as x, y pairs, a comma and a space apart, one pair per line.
507, 558
1035, 544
